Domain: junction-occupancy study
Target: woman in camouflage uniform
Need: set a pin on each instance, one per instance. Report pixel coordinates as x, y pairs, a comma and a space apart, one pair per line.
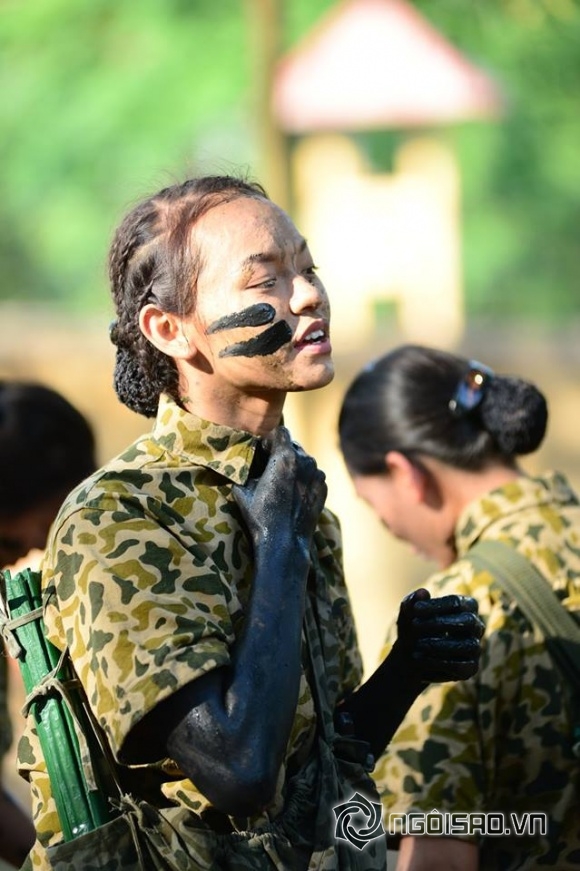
196, 579
437, 461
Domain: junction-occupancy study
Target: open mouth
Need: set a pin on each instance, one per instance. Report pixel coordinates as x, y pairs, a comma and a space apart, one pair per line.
316, 336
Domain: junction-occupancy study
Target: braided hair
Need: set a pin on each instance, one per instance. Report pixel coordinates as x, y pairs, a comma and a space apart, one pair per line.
409, 401
152, 259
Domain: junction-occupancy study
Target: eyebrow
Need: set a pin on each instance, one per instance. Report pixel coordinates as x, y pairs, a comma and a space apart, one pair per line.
267, 257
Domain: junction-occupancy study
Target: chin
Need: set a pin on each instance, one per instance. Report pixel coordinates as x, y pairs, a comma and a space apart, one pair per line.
446, 559
322, 375
317, 380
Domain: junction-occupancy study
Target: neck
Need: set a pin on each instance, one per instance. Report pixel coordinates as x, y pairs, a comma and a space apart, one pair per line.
455, 489
474, 485
257, 414
460, 487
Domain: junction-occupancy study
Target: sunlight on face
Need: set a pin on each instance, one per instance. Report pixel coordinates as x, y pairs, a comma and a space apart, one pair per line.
262, 316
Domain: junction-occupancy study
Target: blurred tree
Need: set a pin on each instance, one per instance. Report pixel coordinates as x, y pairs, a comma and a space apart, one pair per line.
521, 176
265, 24
103, 100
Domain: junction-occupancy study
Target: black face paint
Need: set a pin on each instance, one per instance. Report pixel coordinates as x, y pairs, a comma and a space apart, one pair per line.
266, 343
254, 316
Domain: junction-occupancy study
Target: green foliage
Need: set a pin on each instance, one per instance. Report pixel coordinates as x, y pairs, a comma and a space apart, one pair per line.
103, 100
521, 176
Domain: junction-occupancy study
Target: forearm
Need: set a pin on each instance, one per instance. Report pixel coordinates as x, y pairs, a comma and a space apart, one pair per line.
234, 737
232, 741
262, 688
380, 705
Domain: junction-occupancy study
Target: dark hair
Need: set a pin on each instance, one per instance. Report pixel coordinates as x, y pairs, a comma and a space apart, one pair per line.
152, 258
46, 446
402, 401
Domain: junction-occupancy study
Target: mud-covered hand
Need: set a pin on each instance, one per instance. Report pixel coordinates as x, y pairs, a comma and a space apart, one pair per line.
438, 639
233, 737
286, 500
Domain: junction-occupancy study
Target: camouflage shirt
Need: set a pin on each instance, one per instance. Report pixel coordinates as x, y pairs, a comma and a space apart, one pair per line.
147, 575
500, 742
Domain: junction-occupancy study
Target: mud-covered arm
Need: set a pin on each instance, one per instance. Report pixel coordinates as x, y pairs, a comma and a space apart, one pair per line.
229, 729
437, 640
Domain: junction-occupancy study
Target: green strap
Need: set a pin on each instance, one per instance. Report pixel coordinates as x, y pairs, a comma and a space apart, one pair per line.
538, 602
529, 588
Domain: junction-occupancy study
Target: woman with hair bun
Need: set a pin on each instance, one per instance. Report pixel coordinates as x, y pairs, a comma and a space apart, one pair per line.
197, 581
437, 461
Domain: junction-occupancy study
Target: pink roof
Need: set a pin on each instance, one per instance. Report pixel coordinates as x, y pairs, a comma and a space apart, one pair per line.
378, 63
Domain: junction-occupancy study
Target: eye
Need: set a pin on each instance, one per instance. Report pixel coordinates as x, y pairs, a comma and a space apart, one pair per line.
310, 273
266, 284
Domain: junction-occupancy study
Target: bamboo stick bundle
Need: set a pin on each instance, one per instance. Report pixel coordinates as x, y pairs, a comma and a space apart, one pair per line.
80, 776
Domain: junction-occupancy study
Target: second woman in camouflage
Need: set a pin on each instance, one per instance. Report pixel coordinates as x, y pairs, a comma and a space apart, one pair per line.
437, 460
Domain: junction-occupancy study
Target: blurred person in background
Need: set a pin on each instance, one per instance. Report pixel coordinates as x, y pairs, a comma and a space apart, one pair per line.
46, 448
431, 441
220, 655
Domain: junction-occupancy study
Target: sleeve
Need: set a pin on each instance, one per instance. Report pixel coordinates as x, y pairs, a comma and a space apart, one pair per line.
32, 767
142, 611
439, 758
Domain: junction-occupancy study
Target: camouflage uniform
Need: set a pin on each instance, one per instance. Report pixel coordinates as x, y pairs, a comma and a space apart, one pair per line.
500, 742
147, 576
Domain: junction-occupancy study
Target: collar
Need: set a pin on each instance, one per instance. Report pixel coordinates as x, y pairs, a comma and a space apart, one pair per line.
202, 443
499, 504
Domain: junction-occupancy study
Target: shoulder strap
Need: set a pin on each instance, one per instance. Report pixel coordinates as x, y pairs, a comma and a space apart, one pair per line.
538, 602
536, 599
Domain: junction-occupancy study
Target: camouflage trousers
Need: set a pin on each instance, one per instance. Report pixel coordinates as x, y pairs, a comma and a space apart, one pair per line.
302, 838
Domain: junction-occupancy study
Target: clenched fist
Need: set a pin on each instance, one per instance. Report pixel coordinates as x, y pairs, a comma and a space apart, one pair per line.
439, 638
286, 500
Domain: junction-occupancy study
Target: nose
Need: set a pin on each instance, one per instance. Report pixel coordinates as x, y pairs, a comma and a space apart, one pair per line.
306, 294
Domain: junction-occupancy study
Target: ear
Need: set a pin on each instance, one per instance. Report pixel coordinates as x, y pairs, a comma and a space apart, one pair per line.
165, 331
406, 475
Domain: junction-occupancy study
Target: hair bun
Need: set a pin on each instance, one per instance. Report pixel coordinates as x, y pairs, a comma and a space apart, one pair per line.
515, 413
131, 386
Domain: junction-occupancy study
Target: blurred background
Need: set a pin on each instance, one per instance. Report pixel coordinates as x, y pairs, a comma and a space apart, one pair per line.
429, 152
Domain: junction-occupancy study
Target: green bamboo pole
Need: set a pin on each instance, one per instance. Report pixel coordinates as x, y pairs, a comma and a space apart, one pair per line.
80, 809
